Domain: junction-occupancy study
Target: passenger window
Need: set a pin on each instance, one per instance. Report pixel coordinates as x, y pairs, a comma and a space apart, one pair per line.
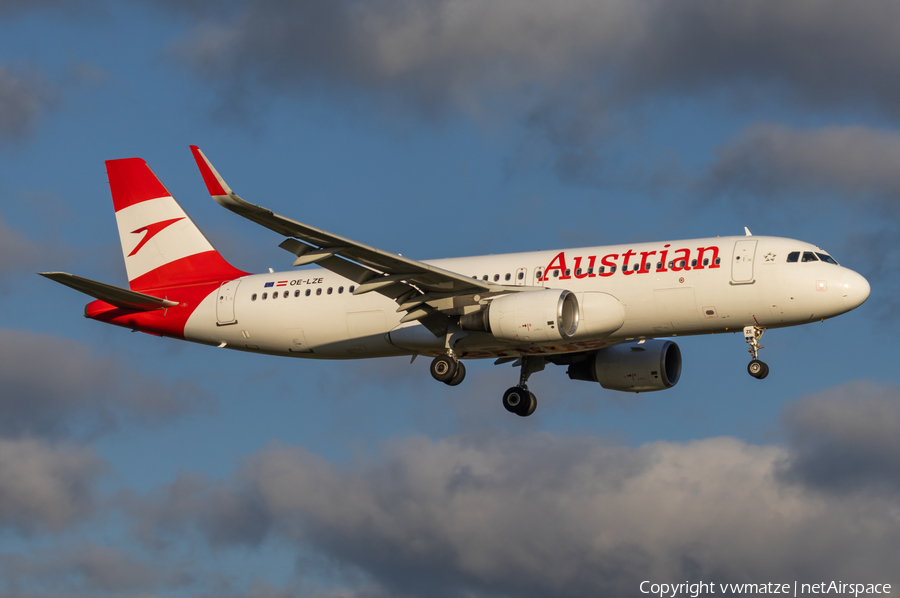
706, 262
352, 288
275, 295
793, 256
319, 291
539, 274
809, 256
485, 277
602, 269
308, 291
568, 272
253, 297
521, 275
286, 293
508, 276
718, 261
672, 264
659, 265
827, 258
265, 295
340, 290
496, 277
330, 289
578, 272
693, 263
556, 274
612, 269
637, 267
297, 293
590, 271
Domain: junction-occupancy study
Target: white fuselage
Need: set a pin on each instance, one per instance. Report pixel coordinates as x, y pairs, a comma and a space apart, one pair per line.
697, 286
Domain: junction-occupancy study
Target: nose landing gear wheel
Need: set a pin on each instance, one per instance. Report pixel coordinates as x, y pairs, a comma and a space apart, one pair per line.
758, 369
520, 401
444, 368
460, 375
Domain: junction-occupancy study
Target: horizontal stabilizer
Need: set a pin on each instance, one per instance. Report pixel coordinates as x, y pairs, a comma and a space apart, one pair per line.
106, 292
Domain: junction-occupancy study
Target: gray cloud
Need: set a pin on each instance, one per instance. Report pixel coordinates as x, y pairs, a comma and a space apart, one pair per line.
24, 96
770, 161
846, 440
86, 393
46, 487
460, 50
540, 515
561, 68
84, 570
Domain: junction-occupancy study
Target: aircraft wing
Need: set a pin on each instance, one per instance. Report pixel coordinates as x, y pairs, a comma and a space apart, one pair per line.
421, 289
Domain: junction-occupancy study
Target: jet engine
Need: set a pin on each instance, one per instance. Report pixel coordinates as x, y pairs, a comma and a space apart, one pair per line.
632, 367
528, 316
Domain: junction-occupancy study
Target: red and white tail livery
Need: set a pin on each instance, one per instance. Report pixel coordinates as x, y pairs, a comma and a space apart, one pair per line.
161, 244
600, 311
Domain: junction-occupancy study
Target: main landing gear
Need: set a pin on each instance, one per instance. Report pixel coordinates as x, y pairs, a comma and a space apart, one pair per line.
448, 369
756, 368
519, 399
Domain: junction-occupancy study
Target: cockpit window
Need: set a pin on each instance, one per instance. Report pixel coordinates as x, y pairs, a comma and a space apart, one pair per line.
809, 256
793, 256
827, 258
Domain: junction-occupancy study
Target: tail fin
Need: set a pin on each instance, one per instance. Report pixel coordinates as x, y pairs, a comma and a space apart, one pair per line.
161, 245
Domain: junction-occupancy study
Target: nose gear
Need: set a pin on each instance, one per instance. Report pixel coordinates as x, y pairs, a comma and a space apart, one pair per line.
756, 368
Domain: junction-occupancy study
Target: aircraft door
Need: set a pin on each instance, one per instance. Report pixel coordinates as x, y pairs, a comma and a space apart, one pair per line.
225, 303
521, 276
742, 262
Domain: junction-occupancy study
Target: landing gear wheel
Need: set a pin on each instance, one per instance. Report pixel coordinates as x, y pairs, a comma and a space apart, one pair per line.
444, 368
514, 398
758, 369
519, 401
532, 405
460, 375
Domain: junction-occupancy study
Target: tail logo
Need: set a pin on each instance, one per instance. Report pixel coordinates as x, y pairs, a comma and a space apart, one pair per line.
152, 230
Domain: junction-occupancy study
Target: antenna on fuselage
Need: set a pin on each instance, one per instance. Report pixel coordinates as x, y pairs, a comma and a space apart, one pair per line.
747, 232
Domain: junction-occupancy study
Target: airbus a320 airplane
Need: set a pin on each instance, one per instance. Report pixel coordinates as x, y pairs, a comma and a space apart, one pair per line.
596, 310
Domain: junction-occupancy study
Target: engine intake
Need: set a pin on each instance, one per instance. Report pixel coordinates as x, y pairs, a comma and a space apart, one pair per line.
528, 316
632, 367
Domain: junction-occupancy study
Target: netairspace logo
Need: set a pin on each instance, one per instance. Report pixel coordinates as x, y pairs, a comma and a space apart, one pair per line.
673, 590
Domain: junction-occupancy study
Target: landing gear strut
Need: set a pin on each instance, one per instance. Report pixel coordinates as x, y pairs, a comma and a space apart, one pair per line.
756, 368
519, 399
447, 369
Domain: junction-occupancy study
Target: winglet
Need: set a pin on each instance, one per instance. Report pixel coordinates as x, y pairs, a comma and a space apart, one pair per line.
214, 182
220, 190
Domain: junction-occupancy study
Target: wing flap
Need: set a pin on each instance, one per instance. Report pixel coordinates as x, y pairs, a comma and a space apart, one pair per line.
110, 294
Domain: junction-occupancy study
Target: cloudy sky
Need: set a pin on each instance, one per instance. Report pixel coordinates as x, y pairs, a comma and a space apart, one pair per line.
137, 466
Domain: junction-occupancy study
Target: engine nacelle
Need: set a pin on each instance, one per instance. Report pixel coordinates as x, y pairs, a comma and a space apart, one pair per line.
632, 367
528, 316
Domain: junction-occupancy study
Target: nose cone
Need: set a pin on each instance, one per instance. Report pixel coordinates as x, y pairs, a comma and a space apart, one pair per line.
855, 289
